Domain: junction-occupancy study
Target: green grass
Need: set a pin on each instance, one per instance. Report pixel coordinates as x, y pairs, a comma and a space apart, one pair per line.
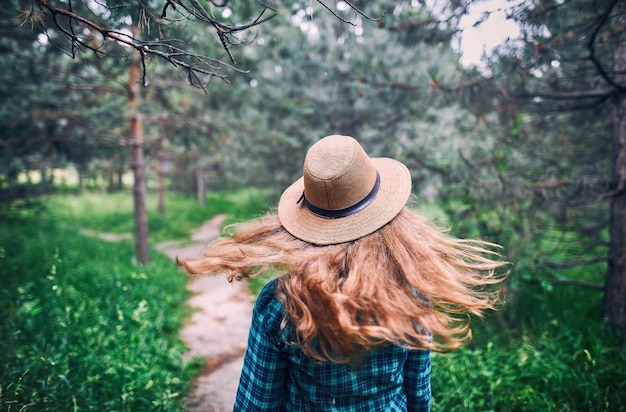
548, 349
113, 213
548, 352
84, 327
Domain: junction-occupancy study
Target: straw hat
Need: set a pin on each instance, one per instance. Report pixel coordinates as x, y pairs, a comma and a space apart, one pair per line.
343, 194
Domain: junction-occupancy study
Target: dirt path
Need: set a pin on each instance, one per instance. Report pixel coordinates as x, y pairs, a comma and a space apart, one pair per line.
218, 330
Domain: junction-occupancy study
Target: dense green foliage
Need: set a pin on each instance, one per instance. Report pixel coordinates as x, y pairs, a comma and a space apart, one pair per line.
545, 352
552, 167
395, 84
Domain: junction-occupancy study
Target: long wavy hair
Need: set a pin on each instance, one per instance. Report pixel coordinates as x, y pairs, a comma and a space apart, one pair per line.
409, 283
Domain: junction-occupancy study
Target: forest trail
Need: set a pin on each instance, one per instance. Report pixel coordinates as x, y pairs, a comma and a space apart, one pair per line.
217, 330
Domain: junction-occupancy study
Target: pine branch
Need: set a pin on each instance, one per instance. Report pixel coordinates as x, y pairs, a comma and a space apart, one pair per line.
194, 64
567, 282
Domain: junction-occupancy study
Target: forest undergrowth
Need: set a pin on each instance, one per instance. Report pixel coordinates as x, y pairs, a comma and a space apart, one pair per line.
84, 327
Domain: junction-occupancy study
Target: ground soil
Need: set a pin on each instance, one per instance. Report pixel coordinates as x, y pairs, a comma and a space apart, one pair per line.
218, 329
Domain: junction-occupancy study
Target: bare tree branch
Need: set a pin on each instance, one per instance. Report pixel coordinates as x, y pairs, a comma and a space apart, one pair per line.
331, 11
575, 263
596, 198
223, 31
574, 95
165, 49
567, 282
591, 47
359, 11
194, 64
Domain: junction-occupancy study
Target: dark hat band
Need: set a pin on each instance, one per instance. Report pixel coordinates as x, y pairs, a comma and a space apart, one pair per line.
339, 213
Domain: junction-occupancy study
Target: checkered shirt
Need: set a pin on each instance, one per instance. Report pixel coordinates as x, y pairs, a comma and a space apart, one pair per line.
279, 377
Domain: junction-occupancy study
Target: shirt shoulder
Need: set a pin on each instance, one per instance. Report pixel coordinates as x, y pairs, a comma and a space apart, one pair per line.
267, 303
268, 311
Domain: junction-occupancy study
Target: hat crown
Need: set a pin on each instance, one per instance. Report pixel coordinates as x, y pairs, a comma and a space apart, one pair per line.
347, 195
337, 173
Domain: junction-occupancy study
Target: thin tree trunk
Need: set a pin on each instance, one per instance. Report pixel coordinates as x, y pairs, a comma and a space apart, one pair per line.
81, 179
161, 178
138, 163
44, 175
120, 178
200, 186
614, 304
111, 181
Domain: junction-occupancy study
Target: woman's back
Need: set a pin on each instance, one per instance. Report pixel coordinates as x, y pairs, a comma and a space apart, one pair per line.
366, 289
384, 379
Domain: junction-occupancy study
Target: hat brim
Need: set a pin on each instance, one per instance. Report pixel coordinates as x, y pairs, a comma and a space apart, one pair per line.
394, 193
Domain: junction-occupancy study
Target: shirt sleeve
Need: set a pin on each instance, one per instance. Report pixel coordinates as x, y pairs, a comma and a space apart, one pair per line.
417, 381
261, 385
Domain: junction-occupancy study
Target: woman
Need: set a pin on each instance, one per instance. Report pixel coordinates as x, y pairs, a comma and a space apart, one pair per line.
367, 288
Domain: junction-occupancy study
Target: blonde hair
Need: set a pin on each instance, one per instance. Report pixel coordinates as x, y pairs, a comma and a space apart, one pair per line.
409, 283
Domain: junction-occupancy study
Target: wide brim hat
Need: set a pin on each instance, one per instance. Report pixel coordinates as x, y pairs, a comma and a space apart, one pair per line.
343, 194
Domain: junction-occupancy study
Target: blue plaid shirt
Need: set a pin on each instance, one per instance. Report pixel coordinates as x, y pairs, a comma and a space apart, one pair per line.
279, 377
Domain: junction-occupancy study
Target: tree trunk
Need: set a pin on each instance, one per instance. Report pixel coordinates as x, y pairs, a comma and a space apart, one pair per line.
44, 175
161, 178
120, 179
200, 186
111, 181
138, 163
614, 304
81, 179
